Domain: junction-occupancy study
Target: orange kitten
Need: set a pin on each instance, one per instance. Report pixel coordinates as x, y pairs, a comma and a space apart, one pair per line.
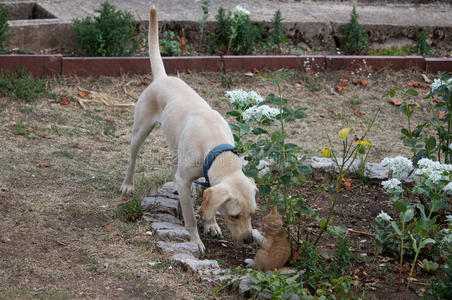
275, 249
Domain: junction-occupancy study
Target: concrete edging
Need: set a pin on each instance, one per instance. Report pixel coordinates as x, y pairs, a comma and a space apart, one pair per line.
57, 65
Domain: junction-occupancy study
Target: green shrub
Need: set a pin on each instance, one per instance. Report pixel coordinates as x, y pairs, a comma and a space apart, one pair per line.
276, 35
4, 27
421, 45
170, 45
354, 36
441, 287
109, 34
21, 85
131, 210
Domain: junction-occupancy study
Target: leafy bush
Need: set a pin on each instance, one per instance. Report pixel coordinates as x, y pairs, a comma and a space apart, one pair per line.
22, 85
235, 33
441, 287
354, 35
4, 27
170, 45
109, 34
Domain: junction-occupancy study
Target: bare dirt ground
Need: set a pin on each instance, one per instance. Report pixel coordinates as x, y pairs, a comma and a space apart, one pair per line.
61, 167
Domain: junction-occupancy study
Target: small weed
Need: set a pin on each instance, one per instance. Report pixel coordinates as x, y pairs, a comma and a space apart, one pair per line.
26, 109
20, 128
110, 131
64, 153
131, 210
4, 27
276, 35
93, 265
110, 33
356, 101
21, 85
394, 51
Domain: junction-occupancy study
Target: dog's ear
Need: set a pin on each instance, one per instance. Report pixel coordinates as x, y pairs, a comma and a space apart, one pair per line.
212, 199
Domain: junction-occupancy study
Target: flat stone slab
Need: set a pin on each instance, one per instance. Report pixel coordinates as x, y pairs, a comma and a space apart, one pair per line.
174, 248
179, 234
162, 218
216, 275
376, 171
165, 225
193, 263
168, 190
161, 205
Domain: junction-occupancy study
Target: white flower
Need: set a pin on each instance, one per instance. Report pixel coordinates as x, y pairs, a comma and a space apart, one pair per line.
399, 165
449, 218
391, 185
241, 10
448, 189
433, 170
260, 113
384, 216
450, 146
448, 235
437, 83
241, 99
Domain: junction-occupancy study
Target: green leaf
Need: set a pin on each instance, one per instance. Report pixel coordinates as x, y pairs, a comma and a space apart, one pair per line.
412, 92
234, 113
252, 172
426, 242
396, 228
408, 215
400, 206
258, 131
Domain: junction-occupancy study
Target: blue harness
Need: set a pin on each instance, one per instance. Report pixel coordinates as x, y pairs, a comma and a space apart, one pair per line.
209, 160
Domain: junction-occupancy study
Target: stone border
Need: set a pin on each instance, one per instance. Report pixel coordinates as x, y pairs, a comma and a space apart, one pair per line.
57, 65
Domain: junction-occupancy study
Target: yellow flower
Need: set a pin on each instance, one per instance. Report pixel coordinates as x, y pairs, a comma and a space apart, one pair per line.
343, 133
326, 152
365, 143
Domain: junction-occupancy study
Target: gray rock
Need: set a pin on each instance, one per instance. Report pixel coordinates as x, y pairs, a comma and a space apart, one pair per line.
216, 275
161, 204
244, 287
165, 225
193, 263
179, 234
162, 218
186, 247
376, 171
352, 167
321, 163
168, 190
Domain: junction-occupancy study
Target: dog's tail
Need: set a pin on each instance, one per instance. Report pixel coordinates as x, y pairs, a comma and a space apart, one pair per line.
157, 67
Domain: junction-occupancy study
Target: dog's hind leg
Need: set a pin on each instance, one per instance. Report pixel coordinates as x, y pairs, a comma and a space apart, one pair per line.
141, 129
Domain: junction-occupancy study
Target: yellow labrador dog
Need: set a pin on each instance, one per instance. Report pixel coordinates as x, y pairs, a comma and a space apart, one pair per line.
192, 129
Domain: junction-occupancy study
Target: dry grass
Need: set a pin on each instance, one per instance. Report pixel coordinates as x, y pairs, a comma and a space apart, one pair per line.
62, 166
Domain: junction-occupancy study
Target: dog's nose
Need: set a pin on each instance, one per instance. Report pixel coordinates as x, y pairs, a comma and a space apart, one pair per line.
248, 240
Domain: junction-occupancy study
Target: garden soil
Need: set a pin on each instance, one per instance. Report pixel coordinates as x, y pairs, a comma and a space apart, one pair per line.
61, 232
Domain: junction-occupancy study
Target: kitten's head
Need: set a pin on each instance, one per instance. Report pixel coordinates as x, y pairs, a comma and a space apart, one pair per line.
272, 223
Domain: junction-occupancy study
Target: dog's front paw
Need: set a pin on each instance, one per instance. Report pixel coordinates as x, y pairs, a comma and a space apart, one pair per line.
212, 228
126, 189
256, 234
200, 245
250, 262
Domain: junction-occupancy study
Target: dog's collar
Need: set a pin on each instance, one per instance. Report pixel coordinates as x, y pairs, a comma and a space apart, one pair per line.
209, 160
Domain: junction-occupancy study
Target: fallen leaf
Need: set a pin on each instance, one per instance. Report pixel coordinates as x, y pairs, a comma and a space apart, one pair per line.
347, 183
395, 102
125, 198
300, 82
182, 45
442, 115
333, 114
417, 84
355, 81
255, 70
213, 80
121, 241
110, 227
297, 256
65, 101
363, 82
426, 79
188, 71
358, 113
82, 94
344, 82
45, 165
249, 74
338, 88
